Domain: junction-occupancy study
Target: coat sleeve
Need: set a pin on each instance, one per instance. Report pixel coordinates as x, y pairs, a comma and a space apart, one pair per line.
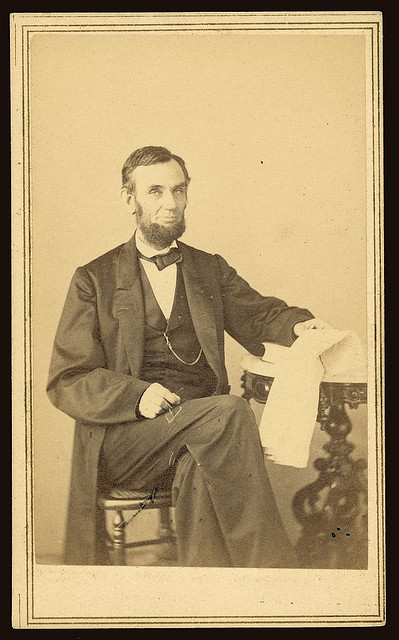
79, 382
251, 318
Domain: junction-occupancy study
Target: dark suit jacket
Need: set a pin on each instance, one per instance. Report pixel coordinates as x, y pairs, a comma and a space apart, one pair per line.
98, 350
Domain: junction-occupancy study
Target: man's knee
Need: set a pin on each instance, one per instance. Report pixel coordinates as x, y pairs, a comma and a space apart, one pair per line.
234, 419
234, 404
224, 413
236, 409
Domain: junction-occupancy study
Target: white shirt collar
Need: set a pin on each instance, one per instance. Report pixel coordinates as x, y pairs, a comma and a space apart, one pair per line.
150, 251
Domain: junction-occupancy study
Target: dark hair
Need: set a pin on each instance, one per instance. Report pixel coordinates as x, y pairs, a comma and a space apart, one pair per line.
145, 157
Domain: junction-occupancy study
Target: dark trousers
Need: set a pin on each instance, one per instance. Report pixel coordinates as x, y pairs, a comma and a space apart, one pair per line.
225, 511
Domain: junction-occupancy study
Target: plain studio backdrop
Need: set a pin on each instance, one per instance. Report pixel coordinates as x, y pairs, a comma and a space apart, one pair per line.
273, 130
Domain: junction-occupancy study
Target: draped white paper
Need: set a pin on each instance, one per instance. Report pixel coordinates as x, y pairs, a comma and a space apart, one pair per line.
290, 413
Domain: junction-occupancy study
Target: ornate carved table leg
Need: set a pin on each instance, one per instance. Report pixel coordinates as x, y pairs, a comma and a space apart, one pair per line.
332, 510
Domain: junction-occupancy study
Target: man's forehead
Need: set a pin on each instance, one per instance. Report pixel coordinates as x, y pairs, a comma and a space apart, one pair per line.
161, 173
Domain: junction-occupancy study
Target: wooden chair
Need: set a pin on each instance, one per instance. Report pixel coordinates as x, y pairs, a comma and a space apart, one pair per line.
120, 500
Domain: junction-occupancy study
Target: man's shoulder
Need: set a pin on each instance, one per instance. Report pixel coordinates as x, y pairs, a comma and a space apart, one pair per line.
198, 254
204, 258
105, 260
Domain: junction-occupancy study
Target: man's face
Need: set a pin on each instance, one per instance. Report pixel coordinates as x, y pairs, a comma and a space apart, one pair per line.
160, 197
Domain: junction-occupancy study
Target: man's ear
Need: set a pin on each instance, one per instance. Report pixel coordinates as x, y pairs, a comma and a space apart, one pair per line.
128, 200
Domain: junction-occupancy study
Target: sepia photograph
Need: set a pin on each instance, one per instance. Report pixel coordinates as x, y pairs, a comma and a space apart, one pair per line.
197, 221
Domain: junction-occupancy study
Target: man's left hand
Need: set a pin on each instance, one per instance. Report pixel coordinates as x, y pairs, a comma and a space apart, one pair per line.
314, 323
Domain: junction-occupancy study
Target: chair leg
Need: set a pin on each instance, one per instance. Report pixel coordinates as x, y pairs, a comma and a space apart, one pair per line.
165, 529
168, 552
119, 537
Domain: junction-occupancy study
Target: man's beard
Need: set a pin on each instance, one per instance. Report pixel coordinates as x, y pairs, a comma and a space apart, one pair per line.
158, 236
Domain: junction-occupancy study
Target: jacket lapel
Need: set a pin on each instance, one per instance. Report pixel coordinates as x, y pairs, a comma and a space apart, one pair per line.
179, 311
199, 299
129, 306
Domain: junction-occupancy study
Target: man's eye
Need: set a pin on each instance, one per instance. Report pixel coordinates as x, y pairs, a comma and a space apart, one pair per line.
155, 191
179, 190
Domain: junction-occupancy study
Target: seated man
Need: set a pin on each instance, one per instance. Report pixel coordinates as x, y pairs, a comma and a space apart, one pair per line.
138, 362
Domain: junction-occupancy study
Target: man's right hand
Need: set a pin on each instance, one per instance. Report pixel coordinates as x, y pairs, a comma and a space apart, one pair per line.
156, 399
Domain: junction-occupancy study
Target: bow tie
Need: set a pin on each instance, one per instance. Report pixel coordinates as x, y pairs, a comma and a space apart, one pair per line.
163, 260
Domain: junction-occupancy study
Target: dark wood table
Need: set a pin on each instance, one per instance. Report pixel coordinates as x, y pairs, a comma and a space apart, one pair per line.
332, 510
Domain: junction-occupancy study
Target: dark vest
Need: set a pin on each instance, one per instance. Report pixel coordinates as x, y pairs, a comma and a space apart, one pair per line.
159, 363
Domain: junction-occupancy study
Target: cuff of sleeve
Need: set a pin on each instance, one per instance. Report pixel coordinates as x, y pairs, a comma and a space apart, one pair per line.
145, 386
287, 336
293, 334
137, 410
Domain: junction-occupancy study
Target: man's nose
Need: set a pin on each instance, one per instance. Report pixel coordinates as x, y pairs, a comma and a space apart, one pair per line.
169, 201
